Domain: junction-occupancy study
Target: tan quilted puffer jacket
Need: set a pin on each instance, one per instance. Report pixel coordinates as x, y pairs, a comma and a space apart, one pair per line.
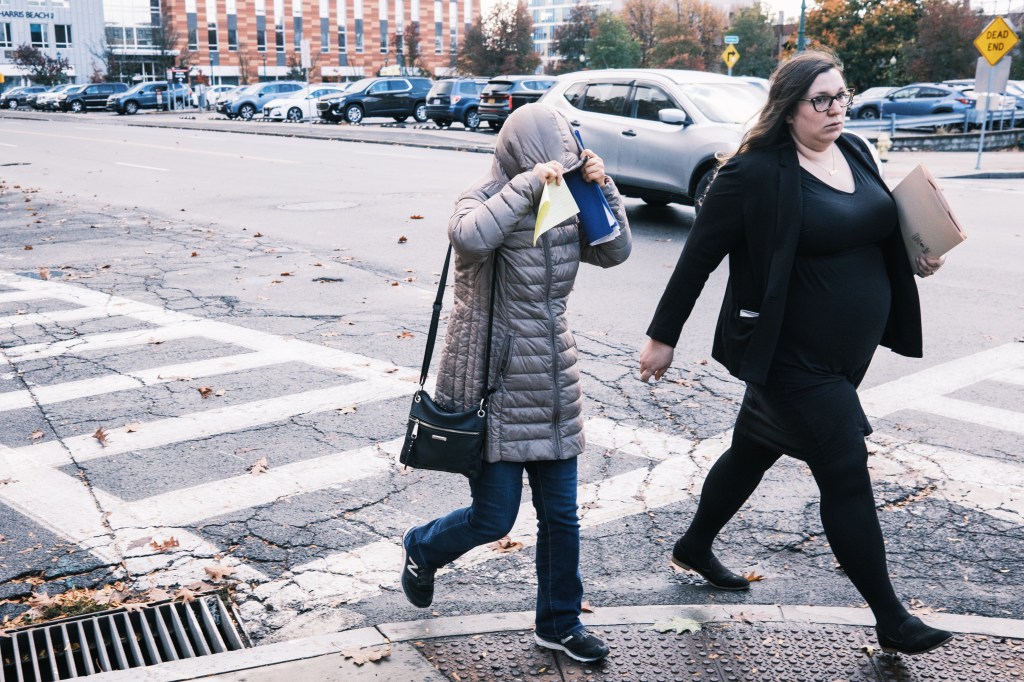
536, 411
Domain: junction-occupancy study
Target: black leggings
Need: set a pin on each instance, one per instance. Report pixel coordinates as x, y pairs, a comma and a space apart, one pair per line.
847, 514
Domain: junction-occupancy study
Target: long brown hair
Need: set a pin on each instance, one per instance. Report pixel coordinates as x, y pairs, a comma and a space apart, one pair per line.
789, 83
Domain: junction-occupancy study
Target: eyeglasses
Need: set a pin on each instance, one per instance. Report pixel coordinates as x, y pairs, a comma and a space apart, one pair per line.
823, 103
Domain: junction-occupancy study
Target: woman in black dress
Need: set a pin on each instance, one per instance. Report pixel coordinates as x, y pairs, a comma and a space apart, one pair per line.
818, 278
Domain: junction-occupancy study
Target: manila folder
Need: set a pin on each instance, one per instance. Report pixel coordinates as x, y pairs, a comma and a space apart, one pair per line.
927, 223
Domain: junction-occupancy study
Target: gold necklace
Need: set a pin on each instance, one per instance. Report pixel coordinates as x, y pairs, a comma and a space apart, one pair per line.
824, 168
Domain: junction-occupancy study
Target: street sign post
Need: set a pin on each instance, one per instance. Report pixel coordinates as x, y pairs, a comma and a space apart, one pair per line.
732, 40
730, 57
996, 40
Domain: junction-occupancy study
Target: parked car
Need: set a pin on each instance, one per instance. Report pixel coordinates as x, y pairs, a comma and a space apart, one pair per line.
151, 95
455, 100
917, 99
217, 93
44, 101
397, 96
503, 94
1016, 90
88, 96
248, 101
876, 92
1009, 100
29, 99
659, 131
15, 97
299, 105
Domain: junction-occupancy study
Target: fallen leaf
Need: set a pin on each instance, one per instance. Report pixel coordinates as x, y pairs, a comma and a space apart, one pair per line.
133, 607
260, 467
6, 481
286, 274
194, 254
36, 435
753, 576
101, 436
361, 656
28, 247
585, 607
258, 234
402, 240
506, 545
218, 571
867, 649
677, 623
155, 342
204, 391
158, 594
348, 409
416, 217
406, 335
185, 595
44, 273
163, 546
132, 428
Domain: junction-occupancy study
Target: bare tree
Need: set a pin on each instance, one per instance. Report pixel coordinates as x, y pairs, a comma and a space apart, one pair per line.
41, 68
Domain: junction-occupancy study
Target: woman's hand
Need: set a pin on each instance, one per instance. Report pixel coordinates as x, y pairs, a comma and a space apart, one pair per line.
927, 266
593, 168
552, 170
655, 358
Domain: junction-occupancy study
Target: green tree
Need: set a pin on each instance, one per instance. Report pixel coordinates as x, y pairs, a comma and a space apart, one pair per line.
866, 35
757, 42
640, 17
613, 47
688, 36
502, 43
41, 68
571, 38
943, 48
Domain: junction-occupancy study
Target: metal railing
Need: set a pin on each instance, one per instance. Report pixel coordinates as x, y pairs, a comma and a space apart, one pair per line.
963, 119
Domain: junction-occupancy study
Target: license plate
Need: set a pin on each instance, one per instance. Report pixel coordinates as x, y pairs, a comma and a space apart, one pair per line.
437, 100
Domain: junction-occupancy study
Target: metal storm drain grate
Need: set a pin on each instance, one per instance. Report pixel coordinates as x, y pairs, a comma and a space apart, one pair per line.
120, 640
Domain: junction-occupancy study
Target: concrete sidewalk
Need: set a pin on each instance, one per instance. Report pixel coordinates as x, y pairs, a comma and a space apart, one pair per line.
751, 643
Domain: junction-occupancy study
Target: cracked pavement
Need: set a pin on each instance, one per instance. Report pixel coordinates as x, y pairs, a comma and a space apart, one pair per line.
314, 542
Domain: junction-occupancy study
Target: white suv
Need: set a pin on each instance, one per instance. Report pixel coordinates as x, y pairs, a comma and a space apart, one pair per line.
658, 130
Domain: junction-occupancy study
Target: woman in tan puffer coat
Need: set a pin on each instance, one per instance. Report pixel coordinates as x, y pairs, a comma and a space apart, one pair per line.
535, 420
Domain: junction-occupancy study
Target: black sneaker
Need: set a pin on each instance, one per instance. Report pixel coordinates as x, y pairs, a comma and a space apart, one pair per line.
417, 582
912, 637
714, 572
580, 645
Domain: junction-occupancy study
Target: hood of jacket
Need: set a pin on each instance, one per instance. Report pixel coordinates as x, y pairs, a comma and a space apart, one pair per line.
532, 134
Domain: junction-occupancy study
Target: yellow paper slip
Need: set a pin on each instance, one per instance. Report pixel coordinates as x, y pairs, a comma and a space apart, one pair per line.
556, 206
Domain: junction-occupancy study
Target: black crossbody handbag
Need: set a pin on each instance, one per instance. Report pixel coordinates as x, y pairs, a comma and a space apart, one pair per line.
439, 440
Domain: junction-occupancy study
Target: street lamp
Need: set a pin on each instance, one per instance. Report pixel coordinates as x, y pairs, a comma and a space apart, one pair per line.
801, 36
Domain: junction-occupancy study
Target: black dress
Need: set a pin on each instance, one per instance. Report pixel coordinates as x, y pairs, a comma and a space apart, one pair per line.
836, 310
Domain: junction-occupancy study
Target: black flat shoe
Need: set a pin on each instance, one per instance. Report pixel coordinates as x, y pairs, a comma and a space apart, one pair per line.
715, 573
912, 637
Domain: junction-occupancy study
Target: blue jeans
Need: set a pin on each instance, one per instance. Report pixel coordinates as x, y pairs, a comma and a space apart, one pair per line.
496, 498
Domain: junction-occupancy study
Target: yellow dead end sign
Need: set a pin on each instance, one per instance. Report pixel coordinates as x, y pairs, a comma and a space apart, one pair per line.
996, 40
731, 56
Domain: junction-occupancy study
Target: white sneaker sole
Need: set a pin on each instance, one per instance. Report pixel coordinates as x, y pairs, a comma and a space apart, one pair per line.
559, 647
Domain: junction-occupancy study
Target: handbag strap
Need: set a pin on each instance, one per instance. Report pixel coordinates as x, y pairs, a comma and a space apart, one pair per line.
436, 316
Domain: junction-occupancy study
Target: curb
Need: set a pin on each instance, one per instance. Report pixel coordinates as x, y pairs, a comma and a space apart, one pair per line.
405, 663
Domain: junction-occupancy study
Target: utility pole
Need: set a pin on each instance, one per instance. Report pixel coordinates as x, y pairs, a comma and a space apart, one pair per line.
801, 36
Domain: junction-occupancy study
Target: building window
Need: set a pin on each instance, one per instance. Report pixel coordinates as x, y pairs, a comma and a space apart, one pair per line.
5, 36
261, 40
384, 38
40, 36
279, 35
211, 36
62, 35
232, 39
193, 39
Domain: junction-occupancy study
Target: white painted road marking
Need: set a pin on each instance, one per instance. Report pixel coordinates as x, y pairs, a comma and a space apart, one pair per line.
135, 165
672, 474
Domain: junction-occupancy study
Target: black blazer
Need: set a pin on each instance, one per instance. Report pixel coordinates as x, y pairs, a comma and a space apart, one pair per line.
752, 214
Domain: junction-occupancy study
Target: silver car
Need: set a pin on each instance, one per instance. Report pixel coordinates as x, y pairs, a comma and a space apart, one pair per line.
658, 130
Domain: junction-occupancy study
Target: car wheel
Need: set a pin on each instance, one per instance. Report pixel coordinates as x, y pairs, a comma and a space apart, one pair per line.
400, 119
353, 113
868, 112
420, 112
472, 120
77, 107
295, 114
702, 188
12, 104
131, 107
246, 112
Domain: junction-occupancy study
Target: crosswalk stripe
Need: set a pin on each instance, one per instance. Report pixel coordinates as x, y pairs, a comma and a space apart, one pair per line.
214, 422
85, 388
19, 296
98, 342
906, 392
1010, 376
73, 315
983, 415
189, 506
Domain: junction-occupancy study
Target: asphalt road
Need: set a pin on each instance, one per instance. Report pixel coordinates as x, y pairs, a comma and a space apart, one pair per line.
293, 277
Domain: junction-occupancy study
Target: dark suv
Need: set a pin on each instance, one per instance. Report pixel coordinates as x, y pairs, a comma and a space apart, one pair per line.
502, 94
152, 95
455, 100
15, 97
90, 96
397, 96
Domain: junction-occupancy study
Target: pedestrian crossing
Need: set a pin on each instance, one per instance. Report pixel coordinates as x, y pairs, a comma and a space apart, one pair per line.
665, 469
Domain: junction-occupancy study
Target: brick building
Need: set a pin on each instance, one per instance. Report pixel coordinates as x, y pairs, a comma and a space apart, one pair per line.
248, 40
